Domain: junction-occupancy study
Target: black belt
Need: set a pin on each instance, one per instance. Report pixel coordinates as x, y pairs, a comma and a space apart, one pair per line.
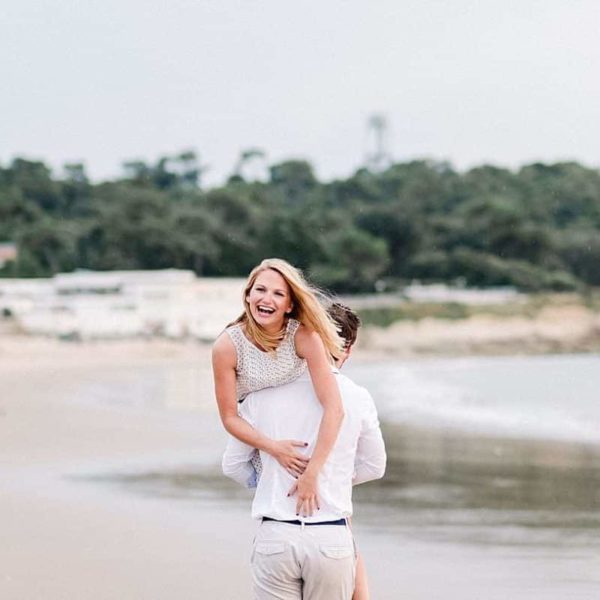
297, 522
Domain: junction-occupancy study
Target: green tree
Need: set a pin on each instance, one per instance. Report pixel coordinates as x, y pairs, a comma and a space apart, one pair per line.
356, 260
293, 179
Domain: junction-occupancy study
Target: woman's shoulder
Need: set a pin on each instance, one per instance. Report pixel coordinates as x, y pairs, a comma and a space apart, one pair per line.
230, 332
234, 332
306, 340
301, 330
224, 346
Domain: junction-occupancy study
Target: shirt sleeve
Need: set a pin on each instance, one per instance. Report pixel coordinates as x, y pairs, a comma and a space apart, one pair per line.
236, 463
370, 458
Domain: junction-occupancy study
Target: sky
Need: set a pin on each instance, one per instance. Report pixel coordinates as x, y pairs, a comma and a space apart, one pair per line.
489, 81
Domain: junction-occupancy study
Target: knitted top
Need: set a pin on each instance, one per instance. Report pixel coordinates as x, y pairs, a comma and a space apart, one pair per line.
257, 369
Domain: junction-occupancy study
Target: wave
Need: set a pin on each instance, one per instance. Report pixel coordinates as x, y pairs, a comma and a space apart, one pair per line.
550, 397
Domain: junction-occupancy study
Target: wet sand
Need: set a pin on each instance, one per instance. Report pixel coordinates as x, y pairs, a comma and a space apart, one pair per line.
106, 496
62, 539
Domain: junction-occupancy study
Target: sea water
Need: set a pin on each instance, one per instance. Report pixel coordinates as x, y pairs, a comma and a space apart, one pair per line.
502, 450
538, 397
492, 486
488, 450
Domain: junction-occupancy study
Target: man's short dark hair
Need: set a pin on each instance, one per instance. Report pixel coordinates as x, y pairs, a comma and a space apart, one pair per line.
346, 320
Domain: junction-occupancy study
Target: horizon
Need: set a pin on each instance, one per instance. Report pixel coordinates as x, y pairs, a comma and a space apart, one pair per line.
57, 172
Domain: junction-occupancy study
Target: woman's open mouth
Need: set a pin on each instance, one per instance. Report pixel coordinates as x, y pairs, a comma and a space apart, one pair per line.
265, 310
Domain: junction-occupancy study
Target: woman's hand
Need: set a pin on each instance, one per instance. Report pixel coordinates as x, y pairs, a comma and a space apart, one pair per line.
306, 489
284, 451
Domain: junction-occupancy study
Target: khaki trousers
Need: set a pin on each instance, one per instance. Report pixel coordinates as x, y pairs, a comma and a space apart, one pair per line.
294, 562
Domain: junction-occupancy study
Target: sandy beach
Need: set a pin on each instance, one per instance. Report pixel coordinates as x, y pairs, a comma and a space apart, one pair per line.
563, 328
65, 539
95, 505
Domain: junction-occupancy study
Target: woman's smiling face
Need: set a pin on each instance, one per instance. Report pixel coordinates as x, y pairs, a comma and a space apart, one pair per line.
269, 300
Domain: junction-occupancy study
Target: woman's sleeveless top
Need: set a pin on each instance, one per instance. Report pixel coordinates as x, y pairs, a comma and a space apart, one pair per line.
257, 370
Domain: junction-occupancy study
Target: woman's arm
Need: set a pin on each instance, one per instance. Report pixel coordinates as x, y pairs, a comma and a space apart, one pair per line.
310, 347
224, 361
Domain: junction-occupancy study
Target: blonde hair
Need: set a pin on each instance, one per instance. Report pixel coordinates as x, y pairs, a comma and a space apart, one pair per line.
306, 308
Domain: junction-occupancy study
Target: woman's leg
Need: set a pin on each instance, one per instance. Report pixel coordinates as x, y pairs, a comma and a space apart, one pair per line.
361, 585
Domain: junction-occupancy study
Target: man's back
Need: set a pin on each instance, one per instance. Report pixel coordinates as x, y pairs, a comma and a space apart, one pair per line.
294, 412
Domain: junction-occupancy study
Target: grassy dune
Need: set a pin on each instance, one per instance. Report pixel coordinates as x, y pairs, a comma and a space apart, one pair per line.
529, 324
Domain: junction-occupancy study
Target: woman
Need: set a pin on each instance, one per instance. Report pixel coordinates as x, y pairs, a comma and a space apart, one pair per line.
282, 331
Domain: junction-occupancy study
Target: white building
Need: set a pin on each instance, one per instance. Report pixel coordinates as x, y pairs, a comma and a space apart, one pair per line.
114, 304
19, 296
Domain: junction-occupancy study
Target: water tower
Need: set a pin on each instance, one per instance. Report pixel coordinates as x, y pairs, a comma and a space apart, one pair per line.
377, 158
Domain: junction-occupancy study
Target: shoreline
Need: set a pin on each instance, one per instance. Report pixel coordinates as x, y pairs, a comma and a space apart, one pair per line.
71, 529
568, 329
67, 537
556, 326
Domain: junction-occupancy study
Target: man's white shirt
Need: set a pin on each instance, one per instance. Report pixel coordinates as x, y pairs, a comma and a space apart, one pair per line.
293, 412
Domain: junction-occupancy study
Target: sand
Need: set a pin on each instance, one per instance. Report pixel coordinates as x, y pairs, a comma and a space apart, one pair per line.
555, 329
65, 539
67, 536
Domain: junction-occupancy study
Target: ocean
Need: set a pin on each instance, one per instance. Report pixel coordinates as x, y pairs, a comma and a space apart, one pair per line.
496, 459
527, 397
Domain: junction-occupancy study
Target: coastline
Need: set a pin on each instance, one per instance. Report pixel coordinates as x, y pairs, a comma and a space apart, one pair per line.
556, 328
68, 538
566, 329
74, 524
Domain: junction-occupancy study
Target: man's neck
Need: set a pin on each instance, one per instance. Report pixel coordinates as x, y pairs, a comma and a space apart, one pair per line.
340, 362
343, 358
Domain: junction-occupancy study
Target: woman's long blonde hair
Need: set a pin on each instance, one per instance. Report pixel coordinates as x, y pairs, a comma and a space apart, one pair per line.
306, 308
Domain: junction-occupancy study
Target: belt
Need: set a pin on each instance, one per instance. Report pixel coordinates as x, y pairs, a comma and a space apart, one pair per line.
297, 522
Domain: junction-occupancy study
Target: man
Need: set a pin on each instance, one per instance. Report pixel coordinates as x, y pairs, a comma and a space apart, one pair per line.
298, 556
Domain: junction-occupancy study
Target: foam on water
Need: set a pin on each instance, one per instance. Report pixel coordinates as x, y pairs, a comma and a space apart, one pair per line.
552, 397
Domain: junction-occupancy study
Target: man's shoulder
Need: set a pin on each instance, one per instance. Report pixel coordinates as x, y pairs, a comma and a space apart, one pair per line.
350, 389
359, 404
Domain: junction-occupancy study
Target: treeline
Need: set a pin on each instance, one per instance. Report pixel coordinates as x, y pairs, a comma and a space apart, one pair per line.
535, 228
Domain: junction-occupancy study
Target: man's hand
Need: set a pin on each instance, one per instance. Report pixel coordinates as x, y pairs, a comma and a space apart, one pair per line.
284, 451
308, 500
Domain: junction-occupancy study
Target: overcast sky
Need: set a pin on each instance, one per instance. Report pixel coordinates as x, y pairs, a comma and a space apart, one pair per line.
501, 81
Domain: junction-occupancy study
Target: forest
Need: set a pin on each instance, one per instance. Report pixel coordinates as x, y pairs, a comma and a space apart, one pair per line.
534, 228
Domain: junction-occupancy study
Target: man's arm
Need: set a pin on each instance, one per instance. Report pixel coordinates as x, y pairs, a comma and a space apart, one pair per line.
236, 463
370, 459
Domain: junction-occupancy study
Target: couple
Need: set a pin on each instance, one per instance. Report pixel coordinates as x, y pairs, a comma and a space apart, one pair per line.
275, 357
